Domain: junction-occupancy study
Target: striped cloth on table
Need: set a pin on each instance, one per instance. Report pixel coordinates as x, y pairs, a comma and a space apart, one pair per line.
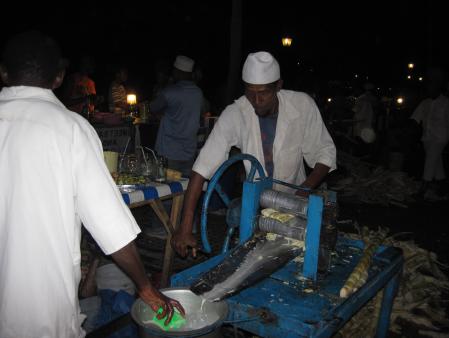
155, 190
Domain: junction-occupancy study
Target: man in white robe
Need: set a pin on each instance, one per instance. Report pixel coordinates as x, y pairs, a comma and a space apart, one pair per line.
279, 127
52, 178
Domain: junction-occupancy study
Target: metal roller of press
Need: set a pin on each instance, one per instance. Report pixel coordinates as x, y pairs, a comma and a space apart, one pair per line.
285, 203
295, 228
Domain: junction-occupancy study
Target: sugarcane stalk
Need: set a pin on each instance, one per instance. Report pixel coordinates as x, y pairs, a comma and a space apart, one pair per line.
421, 299
359, 275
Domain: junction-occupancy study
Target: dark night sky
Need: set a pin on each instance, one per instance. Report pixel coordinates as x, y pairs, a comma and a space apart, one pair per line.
336, 39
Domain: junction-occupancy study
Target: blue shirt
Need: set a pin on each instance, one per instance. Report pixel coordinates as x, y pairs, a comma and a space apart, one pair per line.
177, 134
267, 133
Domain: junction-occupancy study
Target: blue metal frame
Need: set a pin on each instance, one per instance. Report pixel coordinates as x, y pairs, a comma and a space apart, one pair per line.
283, 308
279, 306
250, 205
312, 242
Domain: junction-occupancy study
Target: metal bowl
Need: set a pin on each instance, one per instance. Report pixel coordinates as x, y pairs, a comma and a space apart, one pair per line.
201, 316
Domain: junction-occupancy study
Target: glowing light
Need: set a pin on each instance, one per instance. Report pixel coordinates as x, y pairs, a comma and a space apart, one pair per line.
131, 99
400, 100
329, 99
286, 41
356, 76
411, 65
420, 78
409, 77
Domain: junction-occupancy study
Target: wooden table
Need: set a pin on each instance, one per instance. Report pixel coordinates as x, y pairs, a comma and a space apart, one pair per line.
152, 195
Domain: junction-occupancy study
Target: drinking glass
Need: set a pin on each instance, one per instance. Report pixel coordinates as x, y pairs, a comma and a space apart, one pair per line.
133, 165
160, 174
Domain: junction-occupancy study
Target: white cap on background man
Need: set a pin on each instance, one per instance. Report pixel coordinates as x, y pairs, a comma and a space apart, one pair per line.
184, 63
261, 68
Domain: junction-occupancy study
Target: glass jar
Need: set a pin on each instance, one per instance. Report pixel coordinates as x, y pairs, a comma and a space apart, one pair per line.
147, 165
160, 175
132, 164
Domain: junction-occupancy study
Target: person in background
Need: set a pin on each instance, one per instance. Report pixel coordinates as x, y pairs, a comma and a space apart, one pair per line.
433, 116
364, 109
279, 127
80, 92
117, 92
180, 105
337, 115
52, 178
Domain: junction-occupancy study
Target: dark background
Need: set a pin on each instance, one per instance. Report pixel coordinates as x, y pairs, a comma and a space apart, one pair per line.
331, 40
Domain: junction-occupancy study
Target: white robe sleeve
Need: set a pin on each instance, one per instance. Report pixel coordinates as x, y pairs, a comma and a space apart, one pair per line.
419, 113
218, 144
318, 145
99, 204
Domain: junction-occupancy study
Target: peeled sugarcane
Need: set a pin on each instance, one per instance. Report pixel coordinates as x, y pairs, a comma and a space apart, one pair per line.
421, 299
359, 275
277, 215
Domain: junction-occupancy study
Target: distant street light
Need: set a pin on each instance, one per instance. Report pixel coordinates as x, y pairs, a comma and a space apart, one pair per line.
286, 41
420, 78
400, 100
411, 66
409, 77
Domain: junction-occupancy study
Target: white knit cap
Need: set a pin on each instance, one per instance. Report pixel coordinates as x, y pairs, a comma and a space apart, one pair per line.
260, 68
184, 63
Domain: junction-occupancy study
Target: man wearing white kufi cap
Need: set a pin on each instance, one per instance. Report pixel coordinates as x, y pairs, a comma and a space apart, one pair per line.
279, 127
181, 105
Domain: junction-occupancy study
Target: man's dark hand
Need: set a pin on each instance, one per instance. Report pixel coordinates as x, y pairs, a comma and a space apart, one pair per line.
182, 242
156, 300
303, 192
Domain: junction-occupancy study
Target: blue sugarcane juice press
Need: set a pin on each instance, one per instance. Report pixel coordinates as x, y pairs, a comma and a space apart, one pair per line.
294, 299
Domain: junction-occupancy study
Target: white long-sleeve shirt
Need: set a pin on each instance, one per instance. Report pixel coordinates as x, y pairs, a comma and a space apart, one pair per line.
300, 134
434, 115
52, 177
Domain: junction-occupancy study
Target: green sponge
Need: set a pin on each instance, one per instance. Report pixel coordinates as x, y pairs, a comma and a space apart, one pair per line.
176, 322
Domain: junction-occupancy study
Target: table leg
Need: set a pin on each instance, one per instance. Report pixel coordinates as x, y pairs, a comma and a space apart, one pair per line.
387, 303
161, 213
170, 223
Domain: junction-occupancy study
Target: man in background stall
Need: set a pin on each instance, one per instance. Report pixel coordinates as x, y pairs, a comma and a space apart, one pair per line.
117, 92
80, 94
180, 105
